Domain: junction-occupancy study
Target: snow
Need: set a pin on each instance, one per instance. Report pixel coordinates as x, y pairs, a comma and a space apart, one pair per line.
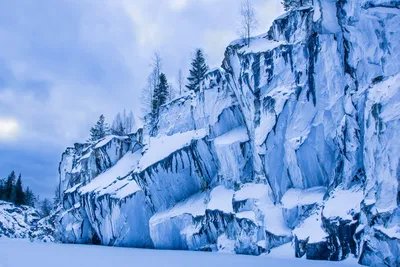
317, 11
20, 252
268, 121
284, 251
225, 245
15, 221
108, 138
238, 134
85, 156
311, 228
250, 215
127, 190
161, 147
343, 203
274, 221
249, 191
329, 16
123, 167
298, 197
384, 93
306, 112
72, 189
392, 232
260, 45
221, 199
195, 206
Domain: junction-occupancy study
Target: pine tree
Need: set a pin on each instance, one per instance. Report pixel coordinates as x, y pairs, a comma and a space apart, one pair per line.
197, 72
160, 95
9, 188
45, 207
57, 196
100, 130
30, 198
19, 192
2, 189
163, 90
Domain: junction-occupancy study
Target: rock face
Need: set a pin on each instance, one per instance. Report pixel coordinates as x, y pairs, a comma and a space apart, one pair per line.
293, 139
24, 222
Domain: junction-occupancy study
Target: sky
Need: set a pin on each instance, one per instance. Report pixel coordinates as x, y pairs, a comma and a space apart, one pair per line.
65, 62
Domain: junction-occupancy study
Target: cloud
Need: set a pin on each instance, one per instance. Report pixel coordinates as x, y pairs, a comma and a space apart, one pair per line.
63, 63
178, 5
9, 129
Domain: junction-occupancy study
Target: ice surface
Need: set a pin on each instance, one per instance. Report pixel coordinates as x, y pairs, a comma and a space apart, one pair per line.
17, 253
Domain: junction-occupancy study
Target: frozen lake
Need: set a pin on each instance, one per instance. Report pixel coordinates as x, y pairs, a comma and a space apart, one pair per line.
21, 253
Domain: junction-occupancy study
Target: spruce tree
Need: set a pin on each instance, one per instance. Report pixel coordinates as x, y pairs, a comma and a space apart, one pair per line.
19, 192
45, 207
30, 198
197, 72
100, 130
160, 94
9, 188
163, 90
2, 189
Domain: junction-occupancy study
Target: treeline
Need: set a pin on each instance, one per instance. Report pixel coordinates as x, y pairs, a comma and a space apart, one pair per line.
155, 94
11, 190
158, 90
123, 124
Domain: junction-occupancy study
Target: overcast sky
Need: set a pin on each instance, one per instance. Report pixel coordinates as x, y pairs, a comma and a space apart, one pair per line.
64, 62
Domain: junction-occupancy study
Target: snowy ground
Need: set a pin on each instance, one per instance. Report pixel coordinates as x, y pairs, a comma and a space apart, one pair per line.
19, 252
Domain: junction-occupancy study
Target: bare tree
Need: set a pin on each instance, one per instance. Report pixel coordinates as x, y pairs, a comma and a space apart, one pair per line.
248, 21
157, 64
147, 95
173, 92
117, 126
129, 122
181, 81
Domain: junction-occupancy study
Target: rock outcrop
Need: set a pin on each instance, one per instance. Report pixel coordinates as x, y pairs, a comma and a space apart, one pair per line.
293, 139
24, 222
